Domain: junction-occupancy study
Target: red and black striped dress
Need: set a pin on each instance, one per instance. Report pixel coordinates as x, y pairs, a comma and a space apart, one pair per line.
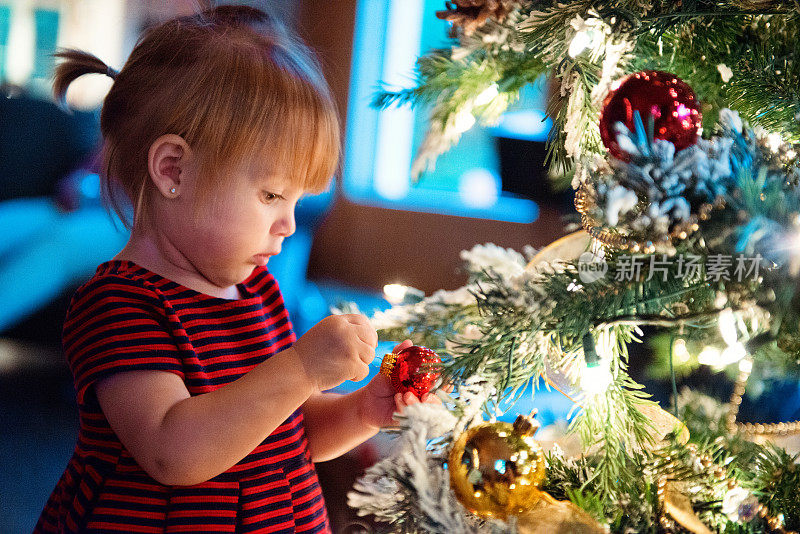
128, 318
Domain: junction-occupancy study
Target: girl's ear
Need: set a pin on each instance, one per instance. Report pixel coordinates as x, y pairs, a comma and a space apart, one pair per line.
168, 162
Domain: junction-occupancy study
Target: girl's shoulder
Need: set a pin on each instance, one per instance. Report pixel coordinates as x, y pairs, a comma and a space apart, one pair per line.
118, 280
123, 269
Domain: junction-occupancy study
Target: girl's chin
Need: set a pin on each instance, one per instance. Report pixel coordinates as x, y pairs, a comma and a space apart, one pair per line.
261, 259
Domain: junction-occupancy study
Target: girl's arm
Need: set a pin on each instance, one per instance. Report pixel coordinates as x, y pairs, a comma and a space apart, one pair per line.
337, 423
183, 440
334, 424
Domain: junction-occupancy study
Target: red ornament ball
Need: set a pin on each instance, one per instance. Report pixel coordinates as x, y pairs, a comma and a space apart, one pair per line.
653, 93
414, 369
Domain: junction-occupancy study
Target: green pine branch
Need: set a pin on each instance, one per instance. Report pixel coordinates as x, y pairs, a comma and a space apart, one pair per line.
756, 40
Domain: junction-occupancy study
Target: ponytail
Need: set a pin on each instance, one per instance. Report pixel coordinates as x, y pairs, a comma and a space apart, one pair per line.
73, 64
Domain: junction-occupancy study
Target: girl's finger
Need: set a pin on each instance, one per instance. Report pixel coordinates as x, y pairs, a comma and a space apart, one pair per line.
402, 346
409, 398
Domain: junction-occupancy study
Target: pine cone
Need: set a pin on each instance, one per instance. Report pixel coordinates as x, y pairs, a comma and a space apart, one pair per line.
469, 15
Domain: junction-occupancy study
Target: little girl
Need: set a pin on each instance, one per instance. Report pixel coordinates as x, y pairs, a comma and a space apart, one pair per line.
199, 412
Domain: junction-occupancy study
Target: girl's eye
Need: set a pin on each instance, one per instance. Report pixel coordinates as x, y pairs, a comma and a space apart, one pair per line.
270, 197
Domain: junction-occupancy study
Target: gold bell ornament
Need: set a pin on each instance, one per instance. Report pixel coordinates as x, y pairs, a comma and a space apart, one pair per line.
496, 469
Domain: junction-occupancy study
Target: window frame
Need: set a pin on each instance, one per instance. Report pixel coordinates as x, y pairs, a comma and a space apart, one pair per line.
379, 143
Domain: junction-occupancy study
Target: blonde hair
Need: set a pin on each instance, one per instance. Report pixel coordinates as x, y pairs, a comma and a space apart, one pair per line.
232, 83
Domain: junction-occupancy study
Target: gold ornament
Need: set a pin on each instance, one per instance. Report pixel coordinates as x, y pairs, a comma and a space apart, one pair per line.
662, 424
565, 249
496, 469
675, 501
550, 516
676, 504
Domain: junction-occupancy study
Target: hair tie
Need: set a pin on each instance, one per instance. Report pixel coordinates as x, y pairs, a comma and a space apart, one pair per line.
111, 73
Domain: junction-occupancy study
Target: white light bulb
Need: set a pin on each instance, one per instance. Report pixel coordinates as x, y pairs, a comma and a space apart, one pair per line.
733, 354
464, 121
395, 293
745, 365
487, 95
596, 378
709, 356
579, 43
680, 351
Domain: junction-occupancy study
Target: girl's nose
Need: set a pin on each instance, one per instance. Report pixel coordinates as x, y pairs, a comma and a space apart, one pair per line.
285, 225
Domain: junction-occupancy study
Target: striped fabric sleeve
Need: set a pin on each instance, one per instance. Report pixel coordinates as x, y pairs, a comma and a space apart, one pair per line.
114, 325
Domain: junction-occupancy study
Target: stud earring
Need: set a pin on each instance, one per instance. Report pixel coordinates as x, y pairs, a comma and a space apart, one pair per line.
172, 190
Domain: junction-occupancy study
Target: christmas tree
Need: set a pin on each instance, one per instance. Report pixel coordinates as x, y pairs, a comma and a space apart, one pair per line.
676, 123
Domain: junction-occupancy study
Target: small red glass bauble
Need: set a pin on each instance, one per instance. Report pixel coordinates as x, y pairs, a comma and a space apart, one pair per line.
414, 369
653, 93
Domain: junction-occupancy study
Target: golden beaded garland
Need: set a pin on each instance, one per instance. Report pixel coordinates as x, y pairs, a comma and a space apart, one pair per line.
775, 524
754, 429
584, 203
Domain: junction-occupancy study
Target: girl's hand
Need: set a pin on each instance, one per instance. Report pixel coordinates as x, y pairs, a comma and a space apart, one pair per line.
338, 348
379, 402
